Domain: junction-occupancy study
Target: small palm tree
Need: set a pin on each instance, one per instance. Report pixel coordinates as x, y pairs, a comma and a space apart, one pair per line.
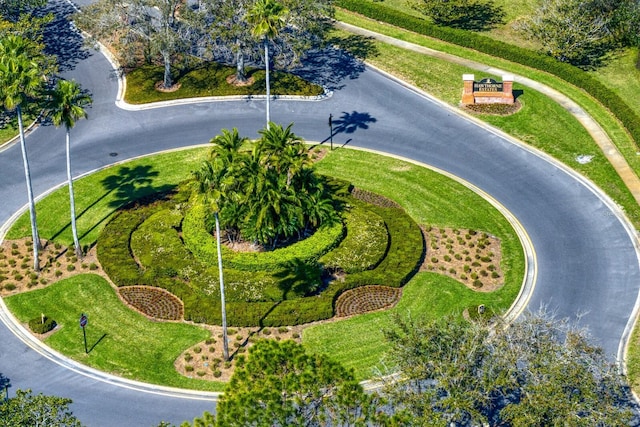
209, 179
267, 17
66, 105
22, 79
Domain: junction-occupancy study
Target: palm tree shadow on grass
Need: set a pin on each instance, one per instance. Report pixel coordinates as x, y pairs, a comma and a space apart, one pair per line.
127, 185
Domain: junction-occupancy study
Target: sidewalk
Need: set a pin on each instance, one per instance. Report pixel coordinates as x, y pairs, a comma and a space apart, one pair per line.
628, 176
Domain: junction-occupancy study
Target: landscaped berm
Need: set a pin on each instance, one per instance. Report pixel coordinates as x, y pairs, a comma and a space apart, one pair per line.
297, 247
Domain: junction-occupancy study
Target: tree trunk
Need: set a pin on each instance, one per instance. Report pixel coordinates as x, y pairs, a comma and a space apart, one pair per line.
241, 77
32, 205
225, 341
167, 70
72, 204
266, 62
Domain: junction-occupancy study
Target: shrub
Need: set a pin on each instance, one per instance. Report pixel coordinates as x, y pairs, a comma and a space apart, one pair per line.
217, 373
9, 286
71, 267
365, 243
42, 324
188, 368
93, 266
58, 273
188, 357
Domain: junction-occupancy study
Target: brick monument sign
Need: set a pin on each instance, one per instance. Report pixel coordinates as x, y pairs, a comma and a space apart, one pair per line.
487, 91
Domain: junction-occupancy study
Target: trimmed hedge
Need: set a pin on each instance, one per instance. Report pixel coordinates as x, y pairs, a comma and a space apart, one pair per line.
361, 250
39, 327
203, 245
530, 58
274, 298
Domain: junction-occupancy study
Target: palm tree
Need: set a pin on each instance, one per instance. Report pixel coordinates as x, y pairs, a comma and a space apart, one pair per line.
66, 106
283, 150
21, 79
209, 179
267, 17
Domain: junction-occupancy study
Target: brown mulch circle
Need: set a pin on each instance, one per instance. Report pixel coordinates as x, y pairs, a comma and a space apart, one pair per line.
232, 80
159, 86
364, 299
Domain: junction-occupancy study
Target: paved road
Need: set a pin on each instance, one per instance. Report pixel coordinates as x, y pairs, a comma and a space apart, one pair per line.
587, 262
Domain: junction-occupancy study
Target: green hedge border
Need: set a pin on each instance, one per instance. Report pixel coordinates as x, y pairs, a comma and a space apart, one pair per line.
527, 57
203, 246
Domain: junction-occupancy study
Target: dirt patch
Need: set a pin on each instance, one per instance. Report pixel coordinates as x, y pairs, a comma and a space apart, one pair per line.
205, 360
233, 80
468, 256
56, 263
160, 87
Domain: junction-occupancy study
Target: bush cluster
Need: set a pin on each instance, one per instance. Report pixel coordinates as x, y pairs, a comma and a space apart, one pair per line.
203, 245
38, 326
361, 250
142, 246
528, 57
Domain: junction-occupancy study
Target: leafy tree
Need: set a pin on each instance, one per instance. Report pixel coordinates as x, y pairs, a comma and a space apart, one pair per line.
66, 105
281, 385
28, 410
13, 9
580, 32
267, 18
477, 15
271, 192
22, 71
537, 371
152, 24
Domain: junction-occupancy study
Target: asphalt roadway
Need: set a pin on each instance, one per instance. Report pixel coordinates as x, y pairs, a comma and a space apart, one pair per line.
586, 265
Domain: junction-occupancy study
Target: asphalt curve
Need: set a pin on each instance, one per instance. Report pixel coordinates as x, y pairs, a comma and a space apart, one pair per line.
587, 263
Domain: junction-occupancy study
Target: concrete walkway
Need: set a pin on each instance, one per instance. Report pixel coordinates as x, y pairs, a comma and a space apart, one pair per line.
628, 176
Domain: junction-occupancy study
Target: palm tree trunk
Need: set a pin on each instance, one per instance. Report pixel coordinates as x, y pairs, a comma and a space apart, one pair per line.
240, 75
225, 341
72, 203
266, 61
32, 205
167, 70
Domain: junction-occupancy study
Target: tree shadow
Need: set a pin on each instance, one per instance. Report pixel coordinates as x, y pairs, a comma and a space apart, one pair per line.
350, 122
342, 58
96, 343
472, 15
128, 184
62, 38
299, 278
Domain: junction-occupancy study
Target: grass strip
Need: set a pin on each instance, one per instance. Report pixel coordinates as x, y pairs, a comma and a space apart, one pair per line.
210, 79
120, 341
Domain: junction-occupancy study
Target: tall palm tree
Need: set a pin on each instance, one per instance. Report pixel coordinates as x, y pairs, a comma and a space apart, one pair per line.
66, 105
267, 17
22, 79
209, 179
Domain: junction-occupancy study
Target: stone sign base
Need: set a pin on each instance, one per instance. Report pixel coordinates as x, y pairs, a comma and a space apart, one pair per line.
487, 91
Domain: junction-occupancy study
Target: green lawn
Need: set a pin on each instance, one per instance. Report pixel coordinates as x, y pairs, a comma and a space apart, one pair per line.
429, 199
98, 195
121, 341
427, 196
210, 79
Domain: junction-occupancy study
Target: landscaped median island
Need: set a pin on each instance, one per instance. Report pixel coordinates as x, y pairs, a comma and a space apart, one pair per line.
159, 296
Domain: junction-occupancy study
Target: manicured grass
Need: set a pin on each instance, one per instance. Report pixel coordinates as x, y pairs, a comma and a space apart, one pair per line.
98, 195
430, 200
426, 195
359, 343
210, 79
623, 76
121, 341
